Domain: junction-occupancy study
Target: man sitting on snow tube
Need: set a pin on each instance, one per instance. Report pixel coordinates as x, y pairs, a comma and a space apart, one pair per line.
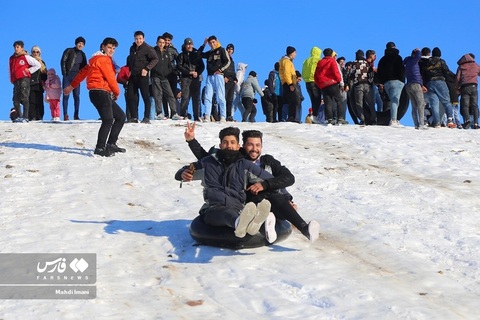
272, 189
224, 175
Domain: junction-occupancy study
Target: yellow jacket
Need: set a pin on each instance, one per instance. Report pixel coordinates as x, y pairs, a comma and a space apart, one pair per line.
287, 71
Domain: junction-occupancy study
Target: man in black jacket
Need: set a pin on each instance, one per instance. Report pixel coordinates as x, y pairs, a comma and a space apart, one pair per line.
142, 59
73, 59
191, 66
159, 76
272, 189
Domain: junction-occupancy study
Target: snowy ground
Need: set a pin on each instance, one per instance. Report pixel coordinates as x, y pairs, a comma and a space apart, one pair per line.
398, 209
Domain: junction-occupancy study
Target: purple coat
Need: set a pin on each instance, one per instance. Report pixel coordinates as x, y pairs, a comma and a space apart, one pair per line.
412, 69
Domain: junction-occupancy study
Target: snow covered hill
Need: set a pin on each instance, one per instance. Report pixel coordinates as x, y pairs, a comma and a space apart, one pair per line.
398, 208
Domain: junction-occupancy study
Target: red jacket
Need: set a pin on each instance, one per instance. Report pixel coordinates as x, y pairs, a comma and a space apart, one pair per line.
327, 73
19, 67
100, 74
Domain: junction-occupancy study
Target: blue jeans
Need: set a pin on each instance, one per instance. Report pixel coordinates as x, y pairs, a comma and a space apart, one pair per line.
394, 88
215, 83
438, 92
76, 96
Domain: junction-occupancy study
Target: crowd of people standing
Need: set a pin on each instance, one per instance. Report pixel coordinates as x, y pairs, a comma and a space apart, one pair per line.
169, 79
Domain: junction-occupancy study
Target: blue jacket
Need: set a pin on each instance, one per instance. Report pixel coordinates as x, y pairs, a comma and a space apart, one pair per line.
412, 69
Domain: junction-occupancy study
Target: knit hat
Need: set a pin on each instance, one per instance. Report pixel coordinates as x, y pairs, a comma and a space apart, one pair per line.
298, 74
390, 45
436, 52
290, 50
252, 73
230, 45
187, 41
80, 39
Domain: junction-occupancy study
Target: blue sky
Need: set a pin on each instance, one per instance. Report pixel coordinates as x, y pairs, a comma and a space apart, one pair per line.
260, 30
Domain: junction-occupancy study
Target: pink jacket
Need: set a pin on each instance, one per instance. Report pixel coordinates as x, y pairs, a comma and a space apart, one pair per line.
53, 85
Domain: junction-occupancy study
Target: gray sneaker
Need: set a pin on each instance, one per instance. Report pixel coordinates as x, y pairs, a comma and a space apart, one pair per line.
263, 209
244, 219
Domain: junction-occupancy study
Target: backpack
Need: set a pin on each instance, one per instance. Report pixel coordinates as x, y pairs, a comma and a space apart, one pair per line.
123, 75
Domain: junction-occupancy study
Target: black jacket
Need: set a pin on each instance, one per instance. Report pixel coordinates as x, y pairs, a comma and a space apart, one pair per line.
390, 67
141, 57
282, 177
225, 177
190, 61
163, 68
68, 60
217, 60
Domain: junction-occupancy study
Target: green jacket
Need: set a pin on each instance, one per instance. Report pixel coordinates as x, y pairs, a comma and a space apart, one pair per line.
310, 64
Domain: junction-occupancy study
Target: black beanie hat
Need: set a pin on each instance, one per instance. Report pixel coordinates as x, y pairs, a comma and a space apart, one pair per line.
80, 39
252, 73
436, 52
290, 50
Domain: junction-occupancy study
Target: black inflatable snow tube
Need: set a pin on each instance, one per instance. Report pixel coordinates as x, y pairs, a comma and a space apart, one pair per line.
225, 238
383, 117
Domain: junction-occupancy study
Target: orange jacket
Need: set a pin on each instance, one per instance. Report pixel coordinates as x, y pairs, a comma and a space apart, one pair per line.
100, 74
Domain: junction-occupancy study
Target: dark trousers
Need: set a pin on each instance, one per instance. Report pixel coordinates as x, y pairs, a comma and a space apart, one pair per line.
281, 207
135, 83
161, 90
315, 95
37, 108
190, 89
229, 93
333, 101
21, 95
290, 98
112, 116
469, 103
250, 110
220, 216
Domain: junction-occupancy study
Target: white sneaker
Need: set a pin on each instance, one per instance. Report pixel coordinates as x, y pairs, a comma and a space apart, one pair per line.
269, 225
206, 118
222, 119
424, 127
313, 230
244, 219
263, 209
177, 117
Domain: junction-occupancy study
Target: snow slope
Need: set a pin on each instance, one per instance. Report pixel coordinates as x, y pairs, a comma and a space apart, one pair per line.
398, 210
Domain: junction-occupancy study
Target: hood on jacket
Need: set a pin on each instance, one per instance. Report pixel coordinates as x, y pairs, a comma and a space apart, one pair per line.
316, 52
242, 66
51, 71
392, 51
465, 59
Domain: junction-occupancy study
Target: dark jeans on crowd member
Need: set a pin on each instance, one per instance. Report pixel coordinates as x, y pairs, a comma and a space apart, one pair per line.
76, 96
469, 102
250, 110
315, 95
333, 100
21, 95
290, 98
280, 206
364, 102
135, 83
112, 116
229, 93
277, 107
161, 90
37, 108
220, 216
172, 80
190, 89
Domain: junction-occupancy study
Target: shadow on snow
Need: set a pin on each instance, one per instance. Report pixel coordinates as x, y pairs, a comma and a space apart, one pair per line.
185, 249
47, 147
